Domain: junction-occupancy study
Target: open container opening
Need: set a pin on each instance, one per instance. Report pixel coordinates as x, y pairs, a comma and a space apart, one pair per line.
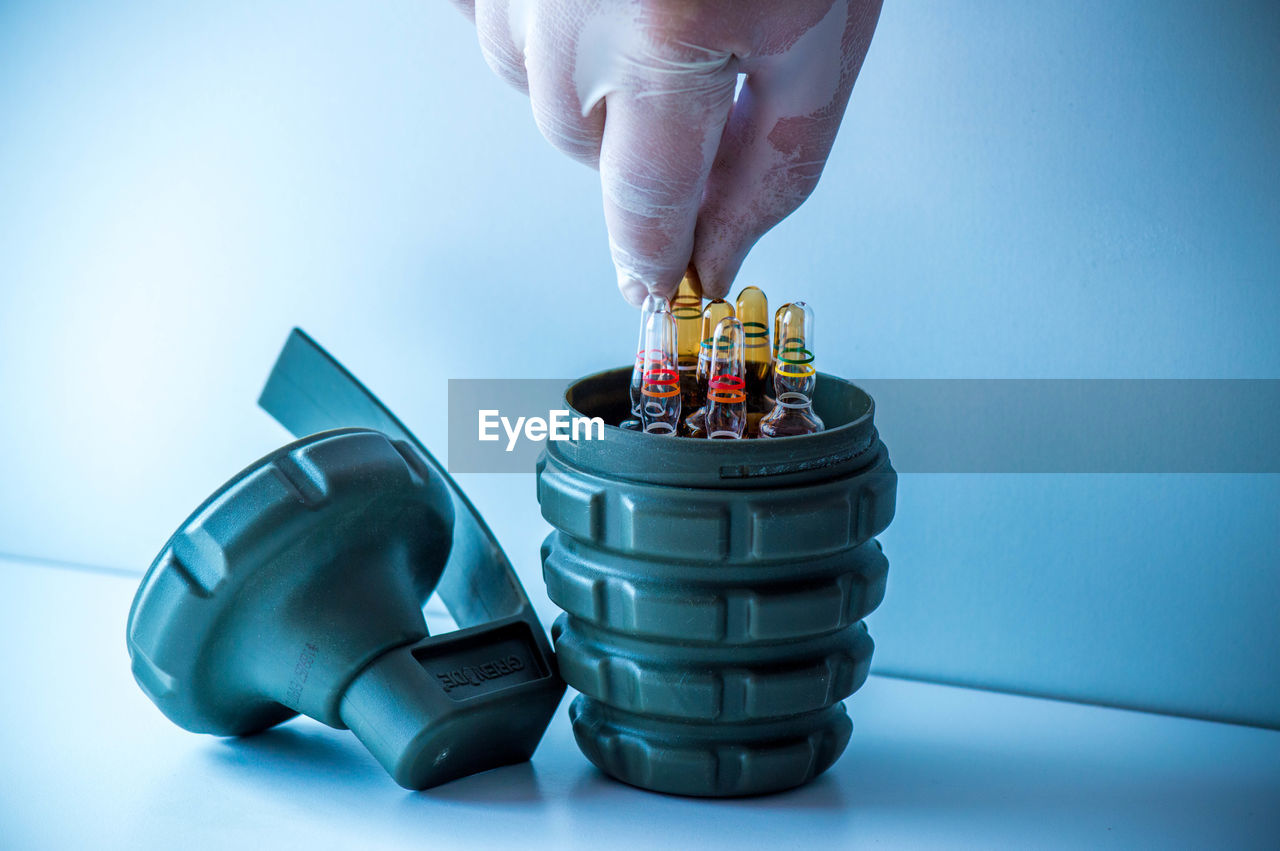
847, 443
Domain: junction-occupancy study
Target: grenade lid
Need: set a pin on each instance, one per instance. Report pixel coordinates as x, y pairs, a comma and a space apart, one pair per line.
298, 587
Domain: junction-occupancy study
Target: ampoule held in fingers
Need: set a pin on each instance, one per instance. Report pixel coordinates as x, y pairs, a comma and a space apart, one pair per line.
660, 388
637, 372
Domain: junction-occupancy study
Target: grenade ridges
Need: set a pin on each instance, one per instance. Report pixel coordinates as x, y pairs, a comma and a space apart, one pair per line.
709, 760
714, 631
721, 603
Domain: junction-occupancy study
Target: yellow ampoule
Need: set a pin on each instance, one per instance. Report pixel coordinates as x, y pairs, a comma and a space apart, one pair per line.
715, 310
753, 313
686, 307
794, 374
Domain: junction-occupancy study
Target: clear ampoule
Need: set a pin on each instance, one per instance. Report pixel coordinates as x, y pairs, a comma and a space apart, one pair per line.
715, 311
637, 372
726, 417
687, 309
794, 375
753, 313
660, 387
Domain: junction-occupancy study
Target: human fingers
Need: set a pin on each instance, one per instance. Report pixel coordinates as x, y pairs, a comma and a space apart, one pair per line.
778, 137
665, 112
501, 26
566, 109
466, 7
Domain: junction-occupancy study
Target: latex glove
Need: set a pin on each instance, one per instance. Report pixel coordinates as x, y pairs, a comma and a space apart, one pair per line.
644, 91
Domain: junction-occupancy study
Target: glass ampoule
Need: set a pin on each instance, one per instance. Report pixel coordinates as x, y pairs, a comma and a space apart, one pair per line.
660, 387
637, 372
687, 309
753, 313
726, 417
715, 311
794, 375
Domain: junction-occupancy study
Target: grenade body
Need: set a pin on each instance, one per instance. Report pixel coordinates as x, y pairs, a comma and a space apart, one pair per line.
714, 592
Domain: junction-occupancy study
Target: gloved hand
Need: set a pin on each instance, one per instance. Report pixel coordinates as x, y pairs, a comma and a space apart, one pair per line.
644, 91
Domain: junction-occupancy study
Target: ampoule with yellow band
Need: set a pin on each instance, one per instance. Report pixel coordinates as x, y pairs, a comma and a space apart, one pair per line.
794, 374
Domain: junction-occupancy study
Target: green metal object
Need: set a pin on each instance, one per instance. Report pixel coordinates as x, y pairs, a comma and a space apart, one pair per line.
298, 588
714, 592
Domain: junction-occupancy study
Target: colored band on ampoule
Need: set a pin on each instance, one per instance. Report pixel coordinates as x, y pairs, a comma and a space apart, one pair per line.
652, 304
794, 360
660, 388
661, 383
729, 389
726, 416
686, 307
756, 334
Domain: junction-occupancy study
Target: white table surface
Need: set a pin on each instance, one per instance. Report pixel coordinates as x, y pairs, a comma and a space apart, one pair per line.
90, 763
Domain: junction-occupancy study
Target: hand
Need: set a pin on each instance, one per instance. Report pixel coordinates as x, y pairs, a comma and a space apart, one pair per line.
643, 90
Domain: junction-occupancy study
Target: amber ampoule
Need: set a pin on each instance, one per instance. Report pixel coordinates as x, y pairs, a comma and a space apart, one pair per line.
715, 311
686, 307
753, 313
794, 374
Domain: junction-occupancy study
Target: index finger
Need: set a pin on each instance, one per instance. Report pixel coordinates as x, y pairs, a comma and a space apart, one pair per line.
665, 112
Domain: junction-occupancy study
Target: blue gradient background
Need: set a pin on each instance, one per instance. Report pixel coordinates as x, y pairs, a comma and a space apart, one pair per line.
1020, 190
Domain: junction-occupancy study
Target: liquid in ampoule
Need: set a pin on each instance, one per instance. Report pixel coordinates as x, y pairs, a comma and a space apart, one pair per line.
753, 313
686, 307
794, 375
